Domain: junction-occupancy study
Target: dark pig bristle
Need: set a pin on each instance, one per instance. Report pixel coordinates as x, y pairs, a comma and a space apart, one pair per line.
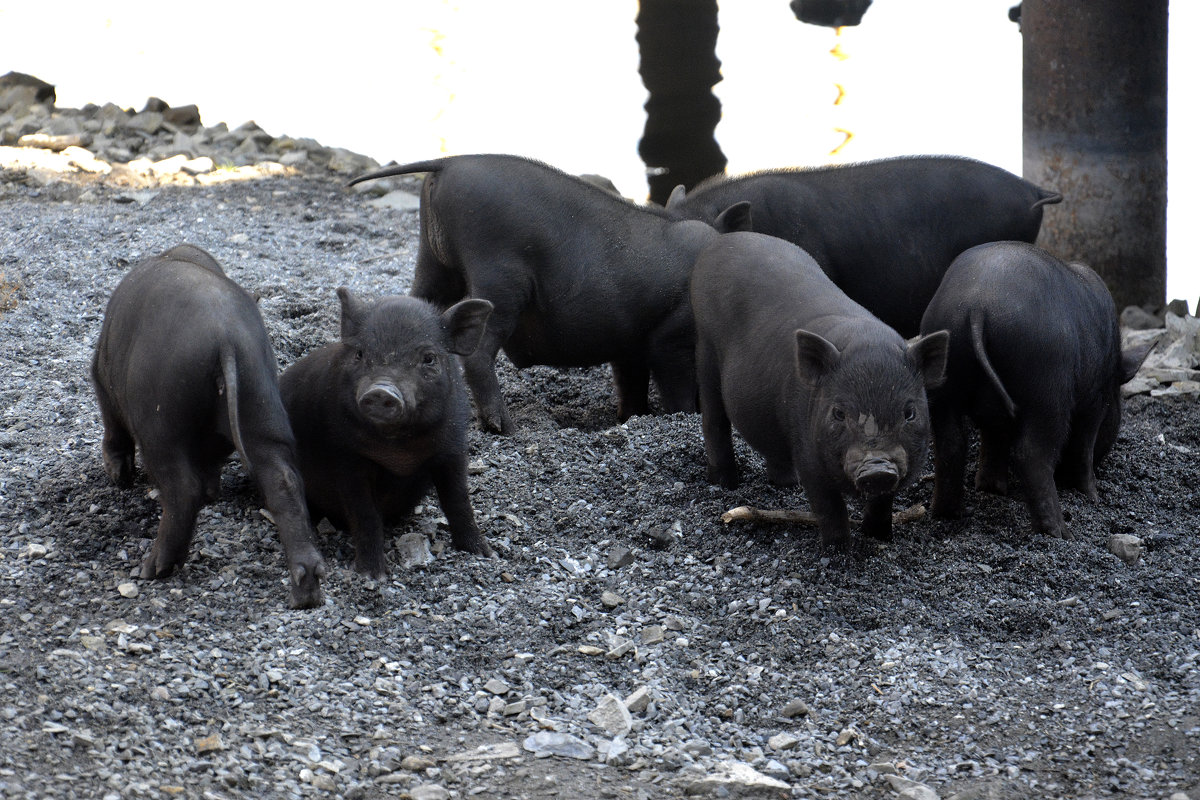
184, 369
381, 417
578, 276
1036, 364
885, 231
830, 396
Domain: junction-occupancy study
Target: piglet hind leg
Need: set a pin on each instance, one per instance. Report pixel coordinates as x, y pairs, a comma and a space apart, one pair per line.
117, 445
283, 493
1076, 468
949, 462
992, 473
715, 424
631, 379
181, 492
1034, 456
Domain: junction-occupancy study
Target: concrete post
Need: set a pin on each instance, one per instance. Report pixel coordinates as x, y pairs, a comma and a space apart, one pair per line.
1095, 129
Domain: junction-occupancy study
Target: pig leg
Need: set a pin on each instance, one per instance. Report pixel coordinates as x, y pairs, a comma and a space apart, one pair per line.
631, 378
673, 363
949, 461
714, 421
780, 471
1076, 467
877, 517
283, 493
117, 446
480, 371
829, 507
181, 492
439, 284
992, 474
450, 480
356, 509
1035, 454
366, 532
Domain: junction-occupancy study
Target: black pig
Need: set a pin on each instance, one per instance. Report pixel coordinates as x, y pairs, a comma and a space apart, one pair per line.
382, 415
577, 275
884, 231
822, 389
184, 370
1035, 361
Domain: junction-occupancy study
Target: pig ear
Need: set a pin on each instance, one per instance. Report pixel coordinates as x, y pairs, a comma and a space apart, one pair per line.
1131, 359
734, 218
352, 311
678, 194
929, 352
465, 322
815, 356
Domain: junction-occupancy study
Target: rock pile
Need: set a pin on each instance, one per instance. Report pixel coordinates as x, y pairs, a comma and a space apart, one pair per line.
135, 149
1173, 366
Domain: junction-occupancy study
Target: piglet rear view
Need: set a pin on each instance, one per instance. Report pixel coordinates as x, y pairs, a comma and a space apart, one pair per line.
382, 415
1036, 362
184, 370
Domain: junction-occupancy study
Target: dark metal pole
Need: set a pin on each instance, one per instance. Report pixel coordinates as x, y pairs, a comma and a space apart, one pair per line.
1095, 129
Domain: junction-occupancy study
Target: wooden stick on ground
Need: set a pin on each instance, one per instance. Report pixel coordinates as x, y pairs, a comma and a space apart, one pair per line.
786, 516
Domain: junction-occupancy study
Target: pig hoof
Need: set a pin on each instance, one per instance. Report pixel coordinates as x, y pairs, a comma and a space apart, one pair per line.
838, 544
372, 570
151, 569
306, 585
991, 484
119, 468
782, 477
493, 422
306, 595
725, 478
880, 532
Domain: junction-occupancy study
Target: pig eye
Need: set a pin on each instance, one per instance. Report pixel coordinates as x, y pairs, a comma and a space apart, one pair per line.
838, 414
429, 359
358, 355
910, 412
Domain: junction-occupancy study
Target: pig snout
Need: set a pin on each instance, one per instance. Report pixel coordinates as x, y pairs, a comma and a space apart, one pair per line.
381, 401
877, 475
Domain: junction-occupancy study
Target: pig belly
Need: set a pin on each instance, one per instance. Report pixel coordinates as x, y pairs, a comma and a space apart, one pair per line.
568, 345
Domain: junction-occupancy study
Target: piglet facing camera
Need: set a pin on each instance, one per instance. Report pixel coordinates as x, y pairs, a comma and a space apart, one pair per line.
381, 417
1036, 364
829, 396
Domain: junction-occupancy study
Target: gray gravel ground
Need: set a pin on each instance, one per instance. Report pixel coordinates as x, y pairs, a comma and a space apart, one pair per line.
972, 658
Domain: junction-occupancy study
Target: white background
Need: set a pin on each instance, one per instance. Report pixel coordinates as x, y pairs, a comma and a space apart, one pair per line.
557, 80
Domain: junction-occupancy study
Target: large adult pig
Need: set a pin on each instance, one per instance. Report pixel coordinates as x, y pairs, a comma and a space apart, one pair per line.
577, 276
823, 390
382, 415
1035, 361
884, 231
184, 370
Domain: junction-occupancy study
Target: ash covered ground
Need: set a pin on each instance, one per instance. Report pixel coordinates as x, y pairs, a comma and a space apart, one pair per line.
972, 657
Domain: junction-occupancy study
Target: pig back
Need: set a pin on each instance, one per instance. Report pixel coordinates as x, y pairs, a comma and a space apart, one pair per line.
750, 293
1049, 329
586, 275
167, 324
885, 231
